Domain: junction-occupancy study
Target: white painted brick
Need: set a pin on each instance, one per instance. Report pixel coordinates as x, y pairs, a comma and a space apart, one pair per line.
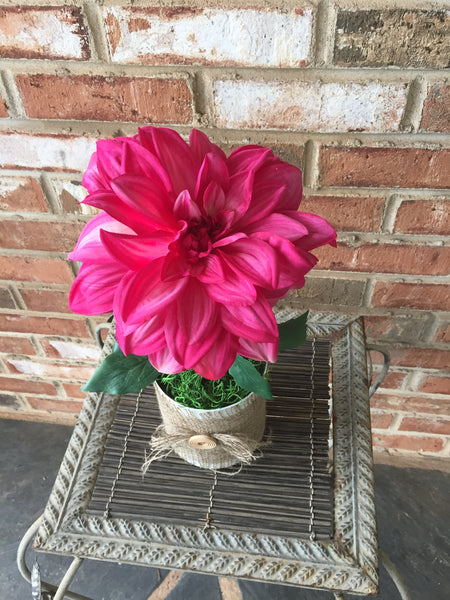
75, 351
52, 32
45, 152
58, 371
27, 367
266, 38
309, 106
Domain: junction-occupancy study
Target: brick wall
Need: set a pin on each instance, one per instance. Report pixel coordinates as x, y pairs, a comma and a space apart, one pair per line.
357, 97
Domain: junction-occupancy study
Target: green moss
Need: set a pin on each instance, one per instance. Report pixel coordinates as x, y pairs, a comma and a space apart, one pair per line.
192, 390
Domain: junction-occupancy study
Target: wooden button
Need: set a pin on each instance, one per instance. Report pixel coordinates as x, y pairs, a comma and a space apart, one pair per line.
202, 442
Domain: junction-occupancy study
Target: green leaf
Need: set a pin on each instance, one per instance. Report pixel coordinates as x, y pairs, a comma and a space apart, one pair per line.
120, 374
248, 377
293, 332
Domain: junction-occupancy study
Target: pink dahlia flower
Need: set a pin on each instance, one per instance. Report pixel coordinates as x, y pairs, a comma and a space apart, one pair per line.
192, 249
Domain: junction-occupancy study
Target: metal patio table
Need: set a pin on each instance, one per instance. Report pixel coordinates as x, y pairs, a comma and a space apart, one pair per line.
302, 514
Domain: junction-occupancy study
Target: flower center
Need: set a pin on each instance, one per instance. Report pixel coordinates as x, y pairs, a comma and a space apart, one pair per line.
197, 240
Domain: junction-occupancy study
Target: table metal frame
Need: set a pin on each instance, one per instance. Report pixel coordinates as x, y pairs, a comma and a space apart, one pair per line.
346, 563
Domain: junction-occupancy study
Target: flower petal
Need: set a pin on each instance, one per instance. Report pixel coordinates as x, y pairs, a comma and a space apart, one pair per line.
287, 177
201, 145
136, 251
185, 208
255, 259
174, 155
196, 312
293, 262
320, 232
94, 288
255, 322
89, 246
144, 339
239, 193
213, 168
233, 288
153, 207
216, 362
92, 180
111, 204
267, 351
212, 270
164, 362
249, 157
288, 225
142, 294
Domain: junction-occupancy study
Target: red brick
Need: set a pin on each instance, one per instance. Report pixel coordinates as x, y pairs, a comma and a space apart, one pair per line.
436, 110
384, 167
44, 325
411, 295
95, 98
442, 335
46, 300
380, 421
423, 217
347, 214
3, 110
48, 370
406, 442
13, 384
392, 380
43, 32
73, 390
424, 425
426, 358
16, 345
21, 194
27, 268
385, 258
6, 298
54, 405
411, 403
40, 235
435, 385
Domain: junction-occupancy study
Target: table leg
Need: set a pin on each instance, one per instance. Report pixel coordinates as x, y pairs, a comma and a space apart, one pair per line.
68, 578
57, 593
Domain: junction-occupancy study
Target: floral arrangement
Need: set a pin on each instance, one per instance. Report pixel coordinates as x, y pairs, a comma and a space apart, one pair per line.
190, 252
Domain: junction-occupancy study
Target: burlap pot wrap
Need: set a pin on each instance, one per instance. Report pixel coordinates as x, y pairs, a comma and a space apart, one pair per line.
234, 432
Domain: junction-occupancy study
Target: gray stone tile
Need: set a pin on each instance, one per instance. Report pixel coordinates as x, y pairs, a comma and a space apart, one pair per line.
412, 506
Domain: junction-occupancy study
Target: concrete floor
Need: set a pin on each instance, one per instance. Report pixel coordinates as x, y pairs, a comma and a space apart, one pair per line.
413, 526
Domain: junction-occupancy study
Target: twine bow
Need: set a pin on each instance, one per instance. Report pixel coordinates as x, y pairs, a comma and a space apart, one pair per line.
162, 444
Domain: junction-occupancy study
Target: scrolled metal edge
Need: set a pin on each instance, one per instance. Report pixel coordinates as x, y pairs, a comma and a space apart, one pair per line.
355, 521
256, 567
93, 420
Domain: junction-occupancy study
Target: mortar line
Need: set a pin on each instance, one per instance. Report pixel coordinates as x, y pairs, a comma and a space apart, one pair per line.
368, 292
391, 207
324, 32
11, 94
412, 113
97, 33
50, 195
310, 162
